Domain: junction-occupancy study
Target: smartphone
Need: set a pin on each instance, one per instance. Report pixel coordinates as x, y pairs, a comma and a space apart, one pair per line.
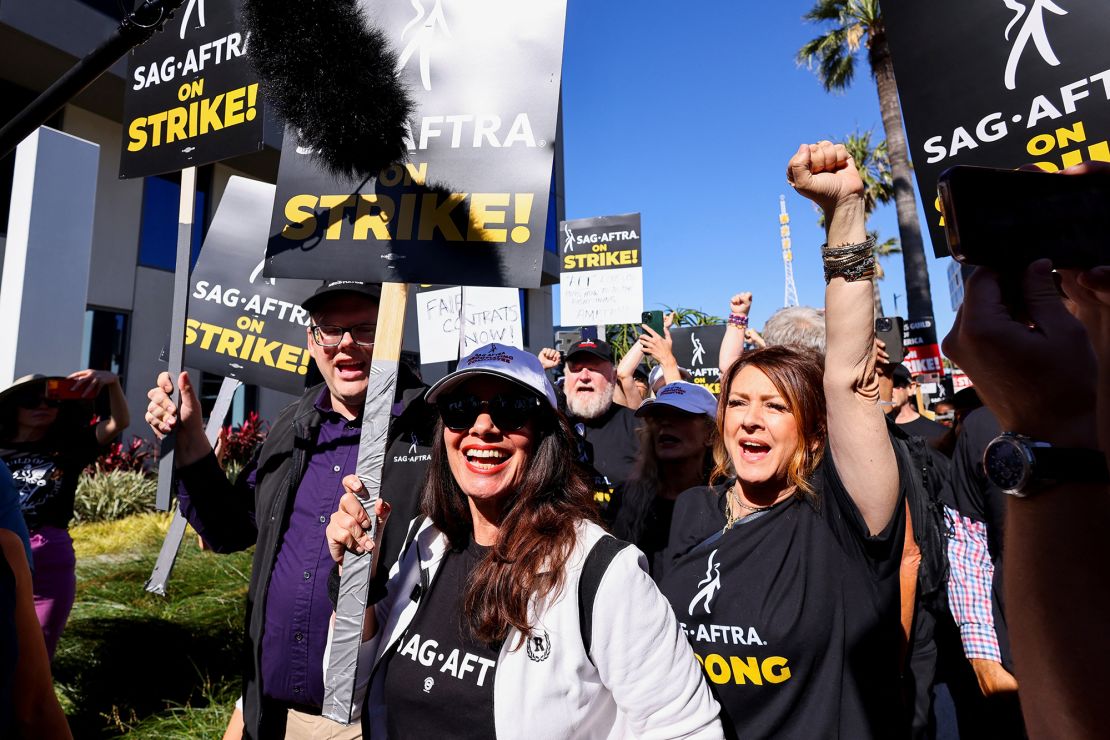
1007, 219
62, 389
889, 329
654, 319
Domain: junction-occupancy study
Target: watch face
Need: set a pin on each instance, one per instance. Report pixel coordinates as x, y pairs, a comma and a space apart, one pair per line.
1006, 464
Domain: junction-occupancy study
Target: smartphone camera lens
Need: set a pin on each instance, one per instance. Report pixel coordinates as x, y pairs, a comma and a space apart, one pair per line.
883, 325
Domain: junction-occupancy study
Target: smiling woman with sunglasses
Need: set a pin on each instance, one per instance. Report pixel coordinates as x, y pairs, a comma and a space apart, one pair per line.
483, 629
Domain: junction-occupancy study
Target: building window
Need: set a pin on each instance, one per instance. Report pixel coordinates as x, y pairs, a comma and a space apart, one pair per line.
158, 232
105, 341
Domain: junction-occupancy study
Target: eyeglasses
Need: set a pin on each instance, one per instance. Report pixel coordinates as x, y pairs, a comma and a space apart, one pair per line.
35, 400
331, 335
508, 412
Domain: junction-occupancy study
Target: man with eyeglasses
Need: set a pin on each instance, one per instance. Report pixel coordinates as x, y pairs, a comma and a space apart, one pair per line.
282, 500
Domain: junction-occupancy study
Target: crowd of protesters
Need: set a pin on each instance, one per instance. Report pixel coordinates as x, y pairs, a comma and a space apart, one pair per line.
807, 554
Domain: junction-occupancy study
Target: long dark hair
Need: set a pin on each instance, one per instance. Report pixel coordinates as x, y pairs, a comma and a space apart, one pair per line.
643, 486
800, 380
536, 535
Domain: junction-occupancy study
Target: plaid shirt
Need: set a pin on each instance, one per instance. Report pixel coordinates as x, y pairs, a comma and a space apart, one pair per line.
969, 586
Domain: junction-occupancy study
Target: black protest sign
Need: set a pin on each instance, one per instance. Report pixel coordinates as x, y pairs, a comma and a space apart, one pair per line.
190, 97
922, 348
602, 275
470, 206
242, 325
1000, 84
697, 348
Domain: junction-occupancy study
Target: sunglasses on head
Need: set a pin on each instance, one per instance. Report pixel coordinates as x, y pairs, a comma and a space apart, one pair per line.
34, 400
508, 411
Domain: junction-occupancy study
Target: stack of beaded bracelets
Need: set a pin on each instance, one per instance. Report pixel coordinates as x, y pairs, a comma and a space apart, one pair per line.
851, 262
739, 320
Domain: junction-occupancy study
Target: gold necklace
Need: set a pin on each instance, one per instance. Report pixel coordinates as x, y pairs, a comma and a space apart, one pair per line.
733, 517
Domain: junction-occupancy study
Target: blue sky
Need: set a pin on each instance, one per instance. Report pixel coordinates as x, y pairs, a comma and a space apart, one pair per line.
688, 114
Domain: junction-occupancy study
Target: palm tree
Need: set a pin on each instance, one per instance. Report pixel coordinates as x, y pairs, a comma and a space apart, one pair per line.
873, 164
858, 24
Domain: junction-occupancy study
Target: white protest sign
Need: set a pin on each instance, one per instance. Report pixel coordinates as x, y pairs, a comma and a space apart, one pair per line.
492, 315
602, 277
601, 297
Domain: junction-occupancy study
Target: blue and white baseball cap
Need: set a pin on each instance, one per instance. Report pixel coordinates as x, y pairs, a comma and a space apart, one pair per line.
501, 361
689, 397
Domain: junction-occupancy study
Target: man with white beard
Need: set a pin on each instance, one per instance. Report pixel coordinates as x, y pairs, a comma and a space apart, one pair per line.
608, 430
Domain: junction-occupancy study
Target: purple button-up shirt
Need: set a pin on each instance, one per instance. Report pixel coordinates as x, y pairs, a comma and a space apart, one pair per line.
298, 610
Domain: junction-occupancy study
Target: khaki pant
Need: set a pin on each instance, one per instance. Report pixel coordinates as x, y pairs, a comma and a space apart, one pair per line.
301, 726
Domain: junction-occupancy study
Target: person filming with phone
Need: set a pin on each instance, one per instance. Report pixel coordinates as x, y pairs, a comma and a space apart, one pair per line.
47, 437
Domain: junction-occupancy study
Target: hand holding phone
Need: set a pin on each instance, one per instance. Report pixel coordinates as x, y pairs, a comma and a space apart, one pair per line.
888, 329
653, 320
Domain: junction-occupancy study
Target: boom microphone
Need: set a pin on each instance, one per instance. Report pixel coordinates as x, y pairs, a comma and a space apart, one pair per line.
331, 76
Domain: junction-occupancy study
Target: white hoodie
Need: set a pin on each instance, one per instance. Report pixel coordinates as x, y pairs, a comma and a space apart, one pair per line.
643, 682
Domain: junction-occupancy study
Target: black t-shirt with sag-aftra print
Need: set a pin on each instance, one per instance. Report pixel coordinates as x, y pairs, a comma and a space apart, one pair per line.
439, 679
793, 613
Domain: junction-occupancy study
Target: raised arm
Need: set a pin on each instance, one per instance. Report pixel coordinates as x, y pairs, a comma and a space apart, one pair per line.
626, 373
858, 438
732, 345
91, 382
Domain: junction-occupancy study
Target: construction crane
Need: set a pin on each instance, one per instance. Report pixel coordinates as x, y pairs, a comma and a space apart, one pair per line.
791, 292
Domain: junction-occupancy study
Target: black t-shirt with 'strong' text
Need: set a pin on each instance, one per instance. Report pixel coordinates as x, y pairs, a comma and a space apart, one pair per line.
794, 615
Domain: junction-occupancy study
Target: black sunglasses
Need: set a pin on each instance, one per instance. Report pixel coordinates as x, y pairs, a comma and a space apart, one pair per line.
509, 412
34, 400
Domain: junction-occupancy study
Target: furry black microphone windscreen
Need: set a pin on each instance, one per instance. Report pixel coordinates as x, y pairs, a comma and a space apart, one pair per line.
331, 76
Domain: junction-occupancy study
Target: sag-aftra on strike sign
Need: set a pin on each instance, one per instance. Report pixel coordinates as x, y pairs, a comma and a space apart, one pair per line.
1000, 83
471, 204
190, 97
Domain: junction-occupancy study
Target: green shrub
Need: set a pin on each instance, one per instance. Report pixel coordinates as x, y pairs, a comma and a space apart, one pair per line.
109, 496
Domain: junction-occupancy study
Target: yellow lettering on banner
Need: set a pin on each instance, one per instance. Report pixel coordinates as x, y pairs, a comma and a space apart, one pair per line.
192, 89
480, 215
137, 133
437, 216
1063, 137
264, 352
335, 205
229, 342
434, 217
198, 118
395, 174
249, 347
175, 125
155, 122
210, 331
300, 216
246, 323
233, 107
210, 114
191, 331
366, 220
289, 358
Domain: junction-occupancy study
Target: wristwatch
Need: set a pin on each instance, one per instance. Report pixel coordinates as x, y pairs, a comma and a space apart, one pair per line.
1022, 467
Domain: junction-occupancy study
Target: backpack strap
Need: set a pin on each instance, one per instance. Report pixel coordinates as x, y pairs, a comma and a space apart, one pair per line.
414, 527
593, 570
